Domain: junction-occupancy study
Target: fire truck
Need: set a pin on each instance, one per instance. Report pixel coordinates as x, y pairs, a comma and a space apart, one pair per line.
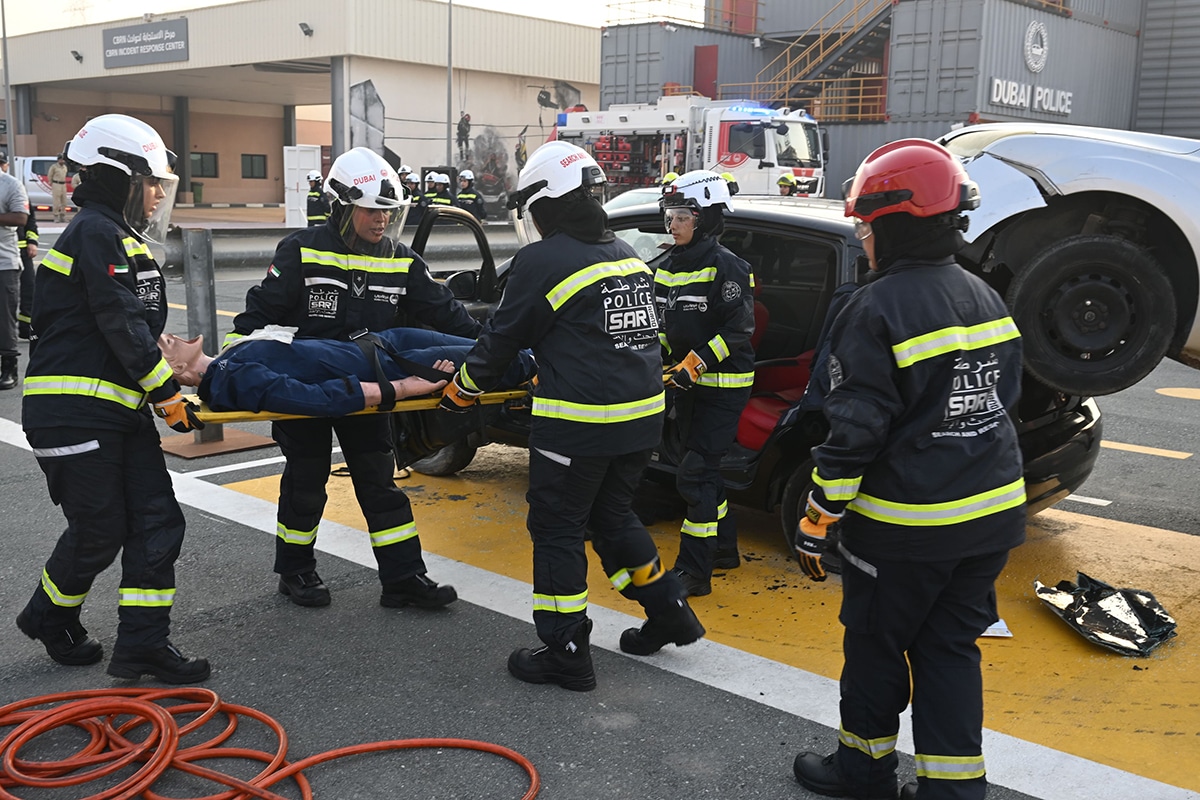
638, 143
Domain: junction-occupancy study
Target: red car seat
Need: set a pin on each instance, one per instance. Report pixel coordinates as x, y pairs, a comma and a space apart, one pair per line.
778, 385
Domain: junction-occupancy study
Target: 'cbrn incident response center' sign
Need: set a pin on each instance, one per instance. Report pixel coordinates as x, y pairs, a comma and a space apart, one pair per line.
152, 43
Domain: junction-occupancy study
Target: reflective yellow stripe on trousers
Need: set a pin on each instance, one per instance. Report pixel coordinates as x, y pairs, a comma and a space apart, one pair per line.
950, 768
875, 748
291, 536
146, 598
561, 603
400, 533
57, 597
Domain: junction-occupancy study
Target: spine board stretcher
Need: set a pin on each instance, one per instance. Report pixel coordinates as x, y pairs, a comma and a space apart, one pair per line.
427, 402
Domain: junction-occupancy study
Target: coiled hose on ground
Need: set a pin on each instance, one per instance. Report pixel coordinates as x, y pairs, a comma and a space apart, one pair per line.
109, 715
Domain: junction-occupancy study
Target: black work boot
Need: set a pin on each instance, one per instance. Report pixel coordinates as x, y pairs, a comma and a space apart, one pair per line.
692, 586
678, 626
69, 644
165, 663
417, 591
8, 372
570, 667
305, 589
820, 774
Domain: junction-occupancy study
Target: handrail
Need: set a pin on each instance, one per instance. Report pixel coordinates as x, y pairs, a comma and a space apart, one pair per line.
858, 99
829, 39
694, 13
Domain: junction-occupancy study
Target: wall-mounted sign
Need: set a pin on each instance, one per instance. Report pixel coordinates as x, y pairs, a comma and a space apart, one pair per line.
1036, 46
1014, 94
152, 43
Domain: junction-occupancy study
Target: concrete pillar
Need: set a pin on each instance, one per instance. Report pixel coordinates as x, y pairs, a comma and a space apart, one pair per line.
183, 144
23, 113
339, 106
201, 303
289, 126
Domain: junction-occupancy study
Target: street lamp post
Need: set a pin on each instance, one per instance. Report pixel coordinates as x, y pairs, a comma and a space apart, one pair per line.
9, 117
449, 79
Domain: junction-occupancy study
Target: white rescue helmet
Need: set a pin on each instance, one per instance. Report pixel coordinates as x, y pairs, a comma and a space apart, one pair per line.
314, 175
404, 170
360, 177
133, 147
554, 170
442, 177
466, 175
697, 190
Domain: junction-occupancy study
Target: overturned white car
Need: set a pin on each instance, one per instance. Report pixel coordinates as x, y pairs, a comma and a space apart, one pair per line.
1092, 237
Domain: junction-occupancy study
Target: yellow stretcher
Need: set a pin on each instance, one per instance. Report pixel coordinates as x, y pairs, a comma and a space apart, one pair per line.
207, 415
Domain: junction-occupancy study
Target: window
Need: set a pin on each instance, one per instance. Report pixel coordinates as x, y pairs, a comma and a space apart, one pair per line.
254, 166
204, 165
748, 138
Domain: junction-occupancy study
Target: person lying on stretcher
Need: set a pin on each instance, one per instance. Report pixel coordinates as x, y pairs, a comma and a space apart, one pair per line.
271, 370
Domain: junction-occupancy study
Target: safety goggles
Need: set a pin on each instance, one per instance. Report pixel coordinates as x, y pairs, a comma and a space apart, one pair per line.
862, 230
684, 216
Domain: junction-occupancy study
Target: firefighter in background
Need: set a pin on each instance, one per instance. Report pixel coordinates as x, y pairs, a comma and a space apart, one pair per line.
705, 297
923, 462
318, 206
100, 304
668, 179
412, 190
787, 185
583, 301
468, 198
463, 135
348, 277
405, 171
27, 246
442, 195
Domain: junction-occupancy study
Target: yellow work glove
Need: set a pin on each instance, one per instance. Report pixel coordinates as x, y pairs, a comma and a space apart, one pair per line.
810, 538
686, 373
178, 413
457, 399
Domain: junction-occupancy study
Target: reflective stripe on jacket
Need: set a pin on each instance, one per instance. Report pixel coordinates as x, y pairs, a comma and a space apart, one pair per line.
925, 373
99, 306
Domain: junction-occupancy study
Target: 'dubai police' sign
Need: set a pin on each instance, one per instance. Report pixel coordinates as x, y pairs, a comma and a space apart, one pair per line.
1026, 96
152, 43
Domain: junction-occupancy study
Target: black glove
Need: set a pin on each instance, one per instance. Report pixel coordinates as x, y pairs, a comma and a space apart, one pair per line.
179, 414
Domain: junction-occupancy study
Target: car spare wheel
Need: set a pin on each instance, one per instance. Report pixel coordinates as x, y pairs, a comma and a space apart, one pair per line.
450, 459
1096, 314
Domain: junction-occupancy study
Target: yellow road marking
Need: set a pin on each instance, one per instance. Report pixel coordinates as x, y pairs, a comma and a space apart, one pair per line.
1150, 451
1046, 685
1184, 394
182, 307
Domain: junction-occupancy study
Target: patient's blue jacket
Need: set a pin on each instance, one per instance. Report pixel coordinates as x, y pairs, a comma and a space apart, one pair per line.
323, 377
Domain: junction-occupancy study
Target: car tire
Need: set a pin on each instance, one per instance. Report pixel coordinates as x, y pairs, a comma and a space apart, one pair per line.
450, 459
1094, 312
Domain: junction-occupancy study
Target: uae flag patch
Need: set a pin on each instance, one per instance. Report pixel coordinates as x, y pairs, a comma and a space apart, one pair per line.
118, 269
273, 271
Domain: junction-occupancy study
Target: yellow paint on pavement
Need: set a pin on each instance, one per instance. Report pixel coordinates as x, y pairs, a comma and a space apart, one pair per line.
1046, 685
1183, 394
219, 313
1149, 451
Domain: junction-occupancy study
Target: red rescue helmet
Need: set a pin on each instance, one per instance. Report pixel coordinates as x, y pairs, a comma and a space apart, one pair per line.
914, 176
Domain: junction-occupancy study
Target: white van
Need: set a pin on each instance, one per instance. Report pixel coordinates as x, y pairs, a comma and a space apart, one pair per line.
31, 171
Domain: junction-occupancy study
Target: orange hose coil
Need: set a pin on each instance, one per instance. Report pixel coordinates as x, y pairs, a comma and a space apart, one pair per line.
97, 712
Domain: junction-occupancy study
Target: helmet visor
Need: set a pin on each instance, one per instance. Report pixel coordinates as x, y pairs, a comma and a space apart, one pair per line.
679, 217
149, 206
527, 232
373, 230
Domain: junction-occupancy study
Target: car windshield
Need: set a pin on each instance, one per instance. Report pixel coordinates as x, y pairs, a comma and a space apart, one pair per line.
797, 147
648, 244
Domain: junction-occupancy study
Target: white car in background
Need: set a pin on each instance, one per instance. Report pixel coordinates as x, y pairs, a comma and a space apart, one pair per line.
1092, 236
32, 172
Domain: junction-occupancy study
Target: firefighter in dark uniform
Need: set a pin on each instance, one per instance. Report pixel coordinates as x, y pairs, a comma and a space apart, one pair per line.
350, 275
922, 460
705, 298
468, 197
442, 195
27, 246
100, 303
584, 302
318, 205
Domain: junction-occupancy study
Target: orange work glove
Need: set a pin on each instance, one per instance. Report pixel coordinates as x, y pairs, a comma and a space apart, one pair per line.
178, 413
686, 373
810, 538
457, 399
